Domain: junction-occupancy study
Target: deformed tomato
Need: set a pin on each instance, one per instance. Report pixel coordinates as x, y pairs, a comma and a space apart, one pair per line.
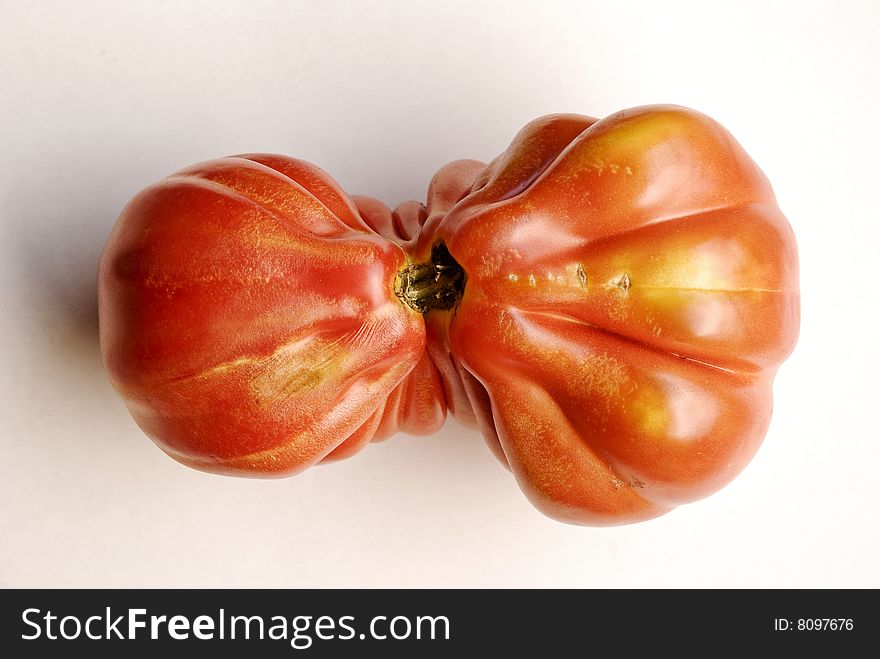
249, 319
631, 289
608, 301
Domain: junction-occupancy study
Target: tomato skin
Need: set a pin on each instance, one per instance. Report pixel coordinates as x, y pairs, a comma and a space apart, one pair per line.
631, 290
608, 301
248, 318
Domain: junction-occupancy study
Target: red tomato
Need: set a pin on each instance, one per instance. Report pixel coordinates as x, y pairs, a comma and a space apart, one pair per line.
607, 301
249, 319
631, 290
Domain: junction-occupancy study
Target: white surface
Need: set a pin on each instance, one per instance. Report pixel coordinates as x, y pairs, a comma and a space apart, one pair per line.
100, 99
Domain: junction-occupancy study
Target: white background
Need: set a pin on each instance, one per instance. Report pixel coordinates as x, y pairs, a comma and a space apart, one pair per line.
100, 99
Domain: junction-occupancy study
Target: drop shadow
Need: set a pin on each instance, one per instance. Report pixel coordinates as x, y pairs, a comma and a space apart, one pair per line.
58, 247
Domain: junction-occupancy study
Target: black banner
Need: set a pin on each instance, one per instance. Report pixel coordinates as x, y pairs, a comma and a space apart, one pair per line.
317, 623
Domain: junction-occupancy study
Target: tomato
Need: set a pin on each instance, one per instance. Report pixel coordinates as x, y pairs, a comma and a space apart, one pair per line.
631, 290
248, 317
607, 301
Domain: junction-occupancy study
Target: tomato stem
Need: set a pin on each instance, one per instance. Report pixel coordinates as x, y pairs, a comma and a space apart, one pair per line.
437, 284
